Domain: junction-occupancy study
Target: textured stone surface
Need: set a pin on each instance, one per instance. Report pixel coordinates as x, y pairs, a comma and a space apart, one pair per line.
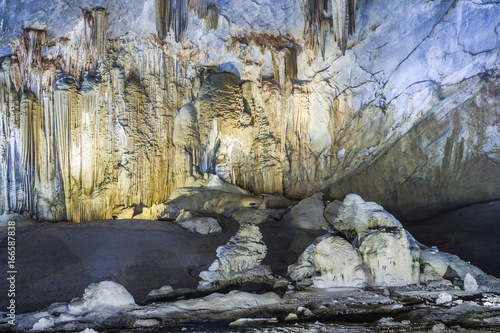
387, 255
339, 264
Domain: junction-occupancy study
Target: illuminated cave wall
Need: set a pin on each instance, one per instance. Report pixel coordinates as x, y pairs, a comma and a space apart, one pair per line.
92, 118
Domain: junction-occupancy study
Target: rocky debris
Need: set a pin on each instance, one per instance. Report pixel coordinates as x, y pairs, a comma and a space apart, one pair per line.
439, 266
99, 302
331, 261
308, 214
395, 309
470, 284
444, 298
20, 220
201, 225
122, 212
213, 306
380, 252
305, 266
183, 216
238, 261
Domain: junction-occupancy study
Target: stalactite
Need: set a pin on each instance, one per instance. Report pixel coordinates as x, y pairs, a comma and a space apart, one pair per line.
26, 65
172, 15
212, 17
343, 22
314, 13
326, 31
28, 48
199, 7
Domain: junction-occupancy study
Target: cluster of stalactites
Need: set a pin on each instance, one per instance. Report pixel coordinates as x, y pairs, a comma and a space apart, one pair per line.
26, 56
172, 15
318, 27
28, 70
344, 20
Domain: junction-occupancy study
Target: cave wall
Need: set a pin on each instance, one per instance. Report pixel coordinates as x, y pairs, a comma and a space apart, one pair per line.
402, 108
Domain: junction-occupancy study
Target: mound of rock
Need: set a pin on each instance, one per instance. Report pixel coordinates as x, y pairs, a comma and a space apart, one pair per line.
238, 261
370, 247
331, 261
308, 214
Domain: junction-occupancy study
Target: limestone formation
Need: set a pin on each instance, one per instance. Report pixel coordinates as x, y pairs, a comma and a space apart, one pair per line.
106, 296
238, 261
305, 267
357, 215
251, 215
339, 264
380, 252
388, 257
332, 210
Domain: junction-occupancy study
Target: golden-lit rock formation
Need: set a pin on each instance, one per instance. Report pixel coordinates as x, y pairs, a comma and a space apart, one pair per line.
91, 123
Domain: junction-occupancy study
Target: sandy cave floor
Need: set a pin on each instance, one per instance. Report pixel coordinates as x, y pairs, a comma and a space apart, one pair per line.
56, 262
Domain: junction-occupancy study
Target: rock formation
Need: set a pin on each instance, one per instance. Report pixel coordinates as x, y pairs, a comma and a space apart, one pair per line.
369, 247
238, 261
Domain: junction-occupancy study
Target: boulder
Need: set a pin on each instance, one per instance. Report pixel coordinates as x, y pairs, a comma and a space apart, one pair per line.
387, 254
470, 284
201, 225
163, 292
308, 214
339, 264
102, 297
332, 210
183, 216
357, 215
331, 261
122, 212
439, 266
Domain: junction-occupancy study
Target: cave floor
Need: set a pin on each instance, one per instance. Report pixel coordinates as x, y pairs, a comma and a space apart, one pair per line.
57, 261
